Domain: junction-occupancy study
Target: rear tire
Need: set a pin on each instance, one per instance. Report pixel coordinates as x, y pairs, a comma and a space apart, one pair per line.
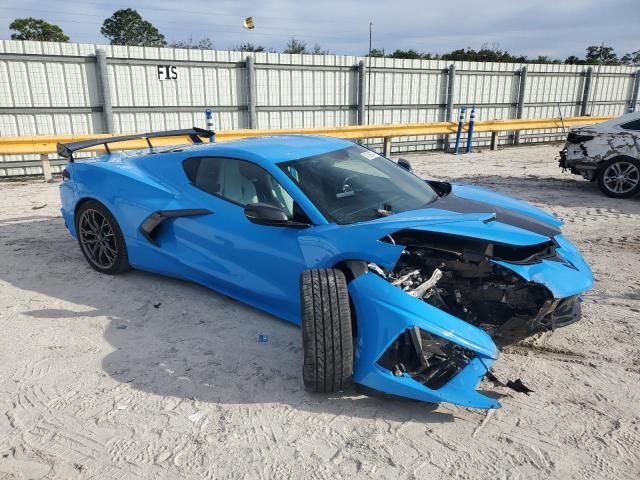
326, 331
619, 177
100, 238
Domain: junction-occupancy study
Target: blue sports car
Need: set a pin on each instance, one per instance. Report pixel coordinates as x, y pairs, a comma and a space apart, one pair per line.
399, 284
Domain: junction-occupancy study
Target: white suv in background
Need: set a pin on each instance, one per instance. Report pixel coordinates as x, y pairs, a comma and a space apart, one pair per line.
607, 152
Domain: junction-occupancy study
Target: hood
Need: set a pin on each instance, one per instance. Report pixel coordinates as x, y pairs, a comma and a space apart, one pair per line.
464, 212
485, 198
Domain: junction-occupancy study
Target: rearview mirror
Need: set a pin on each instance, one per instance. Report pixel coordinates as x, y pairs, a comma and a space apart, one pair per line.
404, 163
270, 215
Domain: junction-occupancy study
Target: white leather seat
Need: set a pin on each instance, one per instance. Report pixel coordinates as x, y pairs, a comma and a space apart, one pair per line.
235, 186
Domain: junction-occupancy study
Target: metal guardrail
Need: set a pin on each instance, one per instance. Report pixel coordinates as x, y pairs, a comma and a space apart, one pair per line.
43, 145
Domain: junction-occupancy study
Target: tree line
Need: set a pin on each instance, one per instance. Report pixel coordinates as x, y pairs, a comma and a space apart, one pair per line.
127, 27
594, 55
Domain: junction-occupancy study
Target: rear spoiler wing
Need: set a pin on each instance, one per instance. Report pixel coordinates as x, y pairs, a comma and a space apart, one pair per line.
67, 150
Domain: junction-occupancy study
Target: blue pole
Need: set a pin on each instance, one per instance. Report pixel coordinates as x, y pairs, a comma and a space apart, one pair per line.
472, 121
209, 116
459, 133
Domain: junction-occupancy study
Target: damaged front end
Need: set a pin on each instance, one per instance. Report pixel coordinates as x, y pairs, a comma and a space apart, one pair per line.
410, 348
462, 276
430, 288
427, 326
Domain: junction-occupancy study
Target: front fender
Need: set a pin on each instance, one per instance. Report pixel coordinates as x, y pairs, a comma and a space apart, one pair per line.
564, 277
383, 312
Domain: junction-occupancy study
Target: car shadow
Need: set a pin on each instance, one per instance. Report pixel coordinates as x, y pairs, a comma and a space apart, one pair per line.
173, 338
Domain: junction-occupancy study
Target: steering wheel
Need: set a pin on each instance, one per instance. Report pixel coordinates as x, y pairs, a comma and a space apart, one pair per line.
345, 190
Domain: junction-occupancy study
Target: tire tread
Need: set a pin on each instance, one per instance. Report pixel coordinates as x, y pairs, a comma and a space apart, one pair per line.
326, 330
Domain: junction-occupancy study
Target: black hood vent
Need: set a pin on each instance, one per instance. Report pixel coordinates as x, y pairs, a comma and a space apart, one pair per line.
453, 203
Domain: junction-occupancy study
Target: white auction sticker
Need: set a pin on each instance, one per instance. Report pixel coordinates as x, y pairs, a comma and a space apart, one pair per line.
369, 155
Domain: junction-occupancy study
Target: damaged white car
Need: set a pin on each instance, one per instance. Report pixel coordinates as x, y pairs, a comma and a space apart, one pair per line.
607, 152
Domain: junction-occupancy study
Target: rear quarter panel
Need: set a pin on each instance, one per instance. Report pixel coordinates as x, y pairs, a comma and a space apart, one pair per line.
129, 195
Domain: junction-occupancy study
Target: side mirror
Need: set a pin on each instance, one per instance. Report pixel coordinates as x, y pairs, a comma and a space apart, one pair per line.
270, 215
404, 163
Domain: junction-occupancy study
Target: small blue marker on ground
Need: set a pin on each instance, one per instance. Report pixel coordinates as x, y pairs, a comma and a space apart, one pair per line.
263, 338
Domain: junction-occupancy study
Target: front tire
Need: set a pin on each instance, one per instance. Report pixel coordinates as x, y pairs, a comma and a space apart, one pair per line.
101, 239
620, 177
326, 331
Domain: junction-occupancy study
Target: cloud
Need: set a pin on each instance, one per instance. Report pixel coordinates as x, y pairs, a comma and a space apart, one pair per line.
543, 27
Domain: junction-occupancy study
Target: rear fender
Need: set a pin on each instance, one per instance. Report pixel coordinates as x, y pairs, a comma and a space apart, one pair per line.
131, 197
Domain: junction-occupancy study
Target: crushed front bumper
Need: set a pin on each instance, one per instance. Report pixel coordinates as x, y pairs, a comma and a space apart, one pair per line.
384, 313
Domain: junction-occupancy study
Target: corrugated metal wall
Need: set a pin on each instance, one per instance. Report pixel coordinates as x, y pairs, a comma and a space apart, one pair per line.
55, 88
305, 90
207, 79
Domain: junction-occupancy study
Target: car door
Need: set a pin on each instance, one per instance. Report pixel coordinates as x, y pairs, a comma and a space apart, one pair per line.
257, 264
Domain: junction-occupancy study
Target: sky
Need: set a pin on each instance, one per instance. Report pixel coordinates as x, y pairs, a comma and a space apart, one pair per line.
556, 28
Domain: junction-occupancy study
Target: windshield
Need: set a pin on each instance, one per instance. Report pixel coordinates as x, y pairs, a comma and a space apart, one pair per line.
355, 185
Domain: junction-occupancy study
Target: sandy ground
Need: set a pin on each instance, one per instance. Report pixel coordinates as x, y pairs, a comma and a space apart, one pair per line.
139, 376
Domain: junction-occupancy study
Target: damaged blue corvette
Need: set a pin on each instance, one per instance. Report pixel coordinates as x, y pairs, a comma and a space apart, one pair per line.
400, 284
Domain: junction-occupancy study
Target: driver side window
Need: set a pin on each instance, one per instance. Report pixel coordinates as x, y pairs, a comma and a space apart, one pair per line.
237, 181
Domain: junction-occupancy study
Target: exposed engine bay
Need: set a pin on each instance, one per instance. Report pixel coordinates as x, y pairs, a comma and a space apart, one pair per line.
459, 276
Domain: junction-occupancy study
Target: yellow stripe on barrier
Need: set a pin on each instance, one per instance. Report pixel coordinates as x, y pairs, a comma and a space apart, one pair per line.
25, 145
